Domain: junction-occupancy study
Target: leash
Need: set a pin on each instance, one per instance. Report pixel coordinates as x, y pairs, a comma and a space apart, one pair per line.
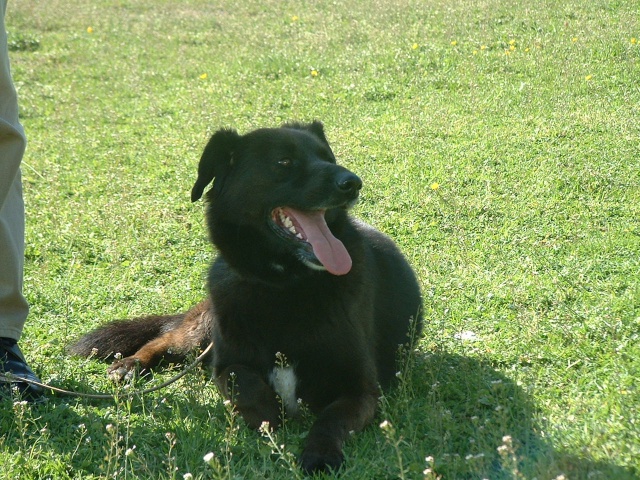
187, 369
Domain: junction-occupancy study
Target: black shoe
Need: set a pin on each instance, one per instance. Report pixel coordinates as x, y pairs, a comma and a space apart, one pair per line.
13, 367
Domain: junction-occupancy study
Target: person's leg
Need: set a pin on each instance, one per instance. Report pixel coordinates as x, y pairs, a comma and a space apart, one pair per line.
13, 306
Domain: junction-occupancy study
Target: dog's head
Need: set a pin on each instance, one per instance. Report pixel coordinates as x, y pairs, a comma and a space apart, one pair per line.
282, 184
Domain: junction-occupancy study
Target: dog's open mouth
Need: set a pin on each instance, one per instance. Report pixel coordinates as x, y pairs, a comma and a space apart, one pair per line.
310, 228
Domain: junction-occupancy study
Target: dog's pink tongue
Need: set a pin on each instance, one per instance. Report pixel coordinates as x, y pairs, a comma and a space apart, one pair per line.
327, 248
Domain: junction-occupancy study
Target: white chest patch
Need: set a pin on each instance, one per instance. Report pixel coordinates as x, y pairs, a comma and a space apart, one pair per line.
283, 380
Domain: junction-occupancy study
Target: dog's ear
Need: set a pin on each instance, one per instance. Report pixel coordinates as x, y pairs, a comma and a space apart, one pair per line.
315, 127
215, 160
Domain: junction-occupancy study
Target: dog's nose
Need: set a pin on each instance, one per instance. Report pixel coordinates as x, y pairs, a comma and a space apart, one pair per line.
349, 182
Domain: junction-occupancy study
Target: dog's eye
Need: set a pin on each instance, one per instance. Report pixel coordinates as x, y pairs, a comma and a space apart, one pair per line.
285, 162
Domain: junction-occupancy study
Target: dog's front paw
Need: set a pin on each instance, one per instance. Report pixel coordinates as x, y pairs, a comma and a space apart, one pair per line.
321, 460
122, 369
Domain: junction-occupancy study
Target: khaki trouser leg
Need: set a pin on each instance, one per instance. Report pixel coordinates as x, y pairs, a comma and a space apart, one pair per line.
13, 306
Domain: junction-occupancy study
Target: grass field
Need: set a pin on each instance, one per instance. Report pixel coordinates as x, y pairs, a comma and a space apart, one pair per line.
499, 145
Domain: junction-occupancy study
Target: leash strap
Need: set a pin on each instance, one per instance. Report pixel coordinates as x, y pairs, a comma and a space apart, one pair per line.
12, 378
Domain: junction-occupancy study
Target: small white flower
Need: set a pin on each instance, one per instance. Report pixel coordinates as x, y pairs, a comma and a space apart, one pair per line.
208, 457
110, 428
187, 476
467, 336
265, 427
429, 459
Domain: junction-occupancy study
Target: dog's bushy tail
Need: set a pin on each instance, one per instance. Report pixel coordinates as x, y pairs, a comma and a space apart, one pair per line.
124, 336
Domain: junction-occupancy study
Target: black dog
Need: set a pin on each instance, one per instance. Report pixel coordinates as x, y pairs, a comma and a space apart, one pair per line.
305, 302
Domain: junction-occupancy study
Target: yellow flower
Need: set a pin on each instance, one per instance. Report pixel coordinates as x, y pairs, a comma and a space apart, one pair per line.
454, 43
512, 48
483, 47
475, 52
435, 186
588, 77
314, 73
89, 29
203, 76
634, 40
414, 46
512, 42
526, 49
295, 18
574, 39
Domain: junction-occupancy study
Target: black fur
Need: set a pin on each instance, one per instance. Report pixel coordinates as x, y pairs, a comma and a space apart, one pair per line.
271, 295
125, 337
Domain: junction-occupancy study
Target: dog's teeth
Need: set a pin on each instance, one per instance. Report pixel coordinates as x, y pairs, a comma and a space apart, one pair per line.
287, 223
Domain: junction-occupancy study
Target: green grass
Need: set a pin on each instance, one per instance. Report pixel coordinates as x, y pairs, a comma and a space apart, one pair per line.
524, 116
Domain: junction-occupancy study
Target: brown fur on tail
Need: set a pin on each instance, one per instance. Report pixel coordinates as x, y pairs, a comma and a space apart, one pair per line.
145, 341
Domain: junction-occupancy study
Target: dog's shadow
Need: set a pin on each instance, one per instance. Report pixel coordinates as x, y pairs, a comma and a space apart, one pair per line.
459, 417
469, 419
